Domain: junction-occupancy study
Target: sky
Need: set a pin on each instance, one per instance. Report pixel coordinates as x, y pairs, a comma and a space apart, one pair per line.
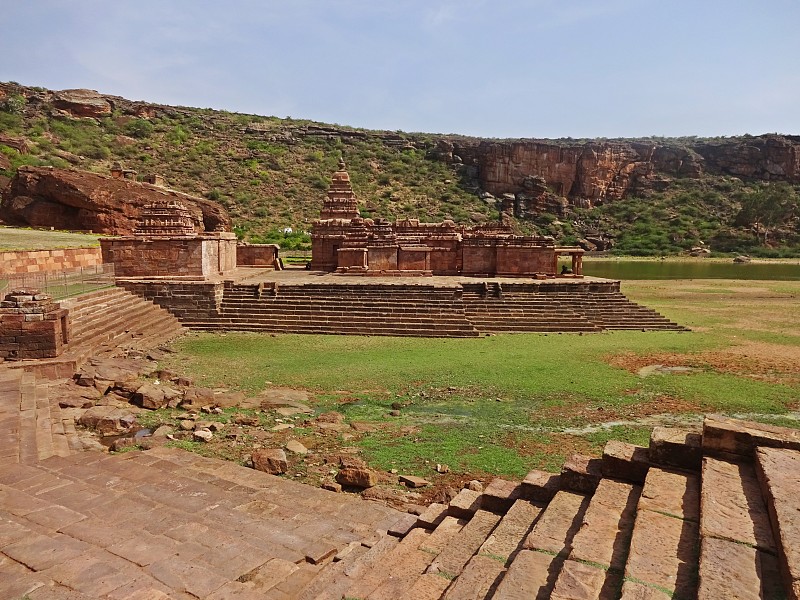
489, 68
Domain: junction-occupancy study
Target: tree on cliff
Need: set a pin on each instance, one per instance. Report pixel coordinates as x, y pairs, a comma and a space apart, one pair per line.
767, 207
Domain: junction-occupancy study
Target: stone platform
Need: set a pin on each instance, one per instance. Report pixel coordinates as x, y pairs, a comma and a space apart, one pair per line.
300, 301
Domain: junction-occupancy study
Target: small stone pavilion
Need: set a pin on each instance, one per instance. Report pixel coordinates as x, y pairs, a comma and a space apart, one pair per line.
166, 244
344, 242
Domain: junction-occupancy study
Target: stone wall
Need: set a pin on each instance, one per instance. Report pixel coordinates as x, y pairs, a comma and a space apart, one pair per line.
48, 261
256, 255
188, 301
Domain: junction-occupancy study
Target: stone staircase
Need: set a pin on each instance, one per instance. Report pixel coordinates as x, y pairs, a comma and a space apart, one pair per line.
421, 310
612, 310
394, 310
105, 322
531, 307
33, 426
493, 308
708, 516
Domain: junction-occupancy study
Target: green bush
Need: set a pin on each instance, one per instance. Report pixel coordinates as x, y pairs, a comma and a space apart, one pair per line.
139, 128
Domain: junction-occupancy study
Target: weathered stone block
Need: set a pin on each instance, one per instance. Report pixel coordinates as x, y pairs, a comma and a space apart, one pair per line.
676, 448
272, 461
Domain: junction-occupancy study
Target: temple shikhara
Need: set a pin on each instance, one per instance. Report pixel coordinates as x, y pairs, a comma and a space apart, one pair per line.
344, 242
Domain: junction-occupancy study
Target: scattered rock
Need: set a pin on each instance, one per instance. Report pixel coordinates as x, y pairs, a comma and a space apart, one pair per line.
336, 427
186, 425
475, 486
108, 420
413, 481
282, 427
163, 431
330, 417
353, 472
251, 421
742, 259
210, 425
150, 396
394, 413
194, 398
442, 468
228, 399
331, 486
270, 460
296, 447
202, 435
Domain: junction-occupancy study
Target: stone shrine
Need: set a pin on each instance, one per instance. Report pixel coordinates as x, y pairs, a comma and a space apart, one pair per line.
344, 242
165, 244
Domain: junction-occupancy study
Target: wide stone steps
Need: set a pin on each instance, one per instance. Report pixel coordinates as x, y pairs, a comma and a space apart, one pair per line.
478, 308
640, 524
113, 318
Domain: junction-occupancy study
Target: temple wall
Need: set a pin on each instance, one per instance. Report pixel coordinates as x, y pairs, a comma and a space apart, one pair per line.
256, 255
382, 258
522, 260
478, 259
170, 256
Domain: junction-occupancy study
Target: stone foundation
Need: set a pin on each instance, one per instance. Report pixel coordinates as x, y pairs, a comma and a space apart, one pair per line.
32, 326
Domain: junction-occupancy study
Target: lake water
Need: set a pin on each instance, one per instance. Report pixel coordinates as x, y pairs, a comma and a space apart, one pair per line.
661, 269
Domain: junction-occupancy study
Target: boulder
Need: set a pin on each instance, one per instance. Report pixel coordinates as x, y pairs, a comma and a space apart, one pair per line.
270, 460
67, 199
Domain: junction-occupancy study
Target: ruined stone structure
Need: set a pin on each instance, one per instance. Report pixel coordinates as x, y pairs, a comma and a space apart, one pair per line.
344, 242
165, 244
32, 326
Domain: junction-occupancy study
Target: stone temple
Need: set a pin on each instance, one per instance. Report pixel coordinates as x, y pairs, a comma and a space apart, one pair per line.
344, 242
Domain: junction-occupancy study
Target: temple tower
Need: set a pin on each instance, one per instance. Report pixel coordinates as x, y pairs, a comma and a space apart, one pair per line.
341, 202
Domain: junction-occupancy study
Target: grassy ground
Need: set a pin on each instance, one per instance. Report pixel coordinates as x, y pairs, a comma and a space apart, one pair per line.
507, 403
32, 239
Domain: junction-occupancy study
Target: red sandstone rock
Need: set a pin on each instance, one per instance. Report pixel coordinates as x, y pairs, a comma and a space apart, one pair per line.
150, 396
82, 103
272, 461
108, 420
356, 477
65, 199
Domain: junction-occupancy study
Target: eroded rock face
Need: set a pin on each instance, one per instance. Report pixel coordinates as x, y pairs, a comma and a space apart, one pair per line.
66, 199
589, 173
83, 103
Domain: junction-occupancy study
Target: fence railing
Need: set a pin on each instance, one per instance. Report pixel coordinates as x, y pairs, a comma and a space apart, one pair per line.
61, 284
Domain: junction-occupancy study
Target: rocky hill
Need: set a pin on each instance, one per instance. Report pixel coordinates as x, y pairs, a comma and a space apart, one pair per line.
645, 196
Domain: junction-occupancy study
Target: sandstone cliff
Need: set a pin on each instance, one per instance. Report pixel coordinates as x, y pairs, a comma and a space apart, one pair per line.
79, 200
594, 172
